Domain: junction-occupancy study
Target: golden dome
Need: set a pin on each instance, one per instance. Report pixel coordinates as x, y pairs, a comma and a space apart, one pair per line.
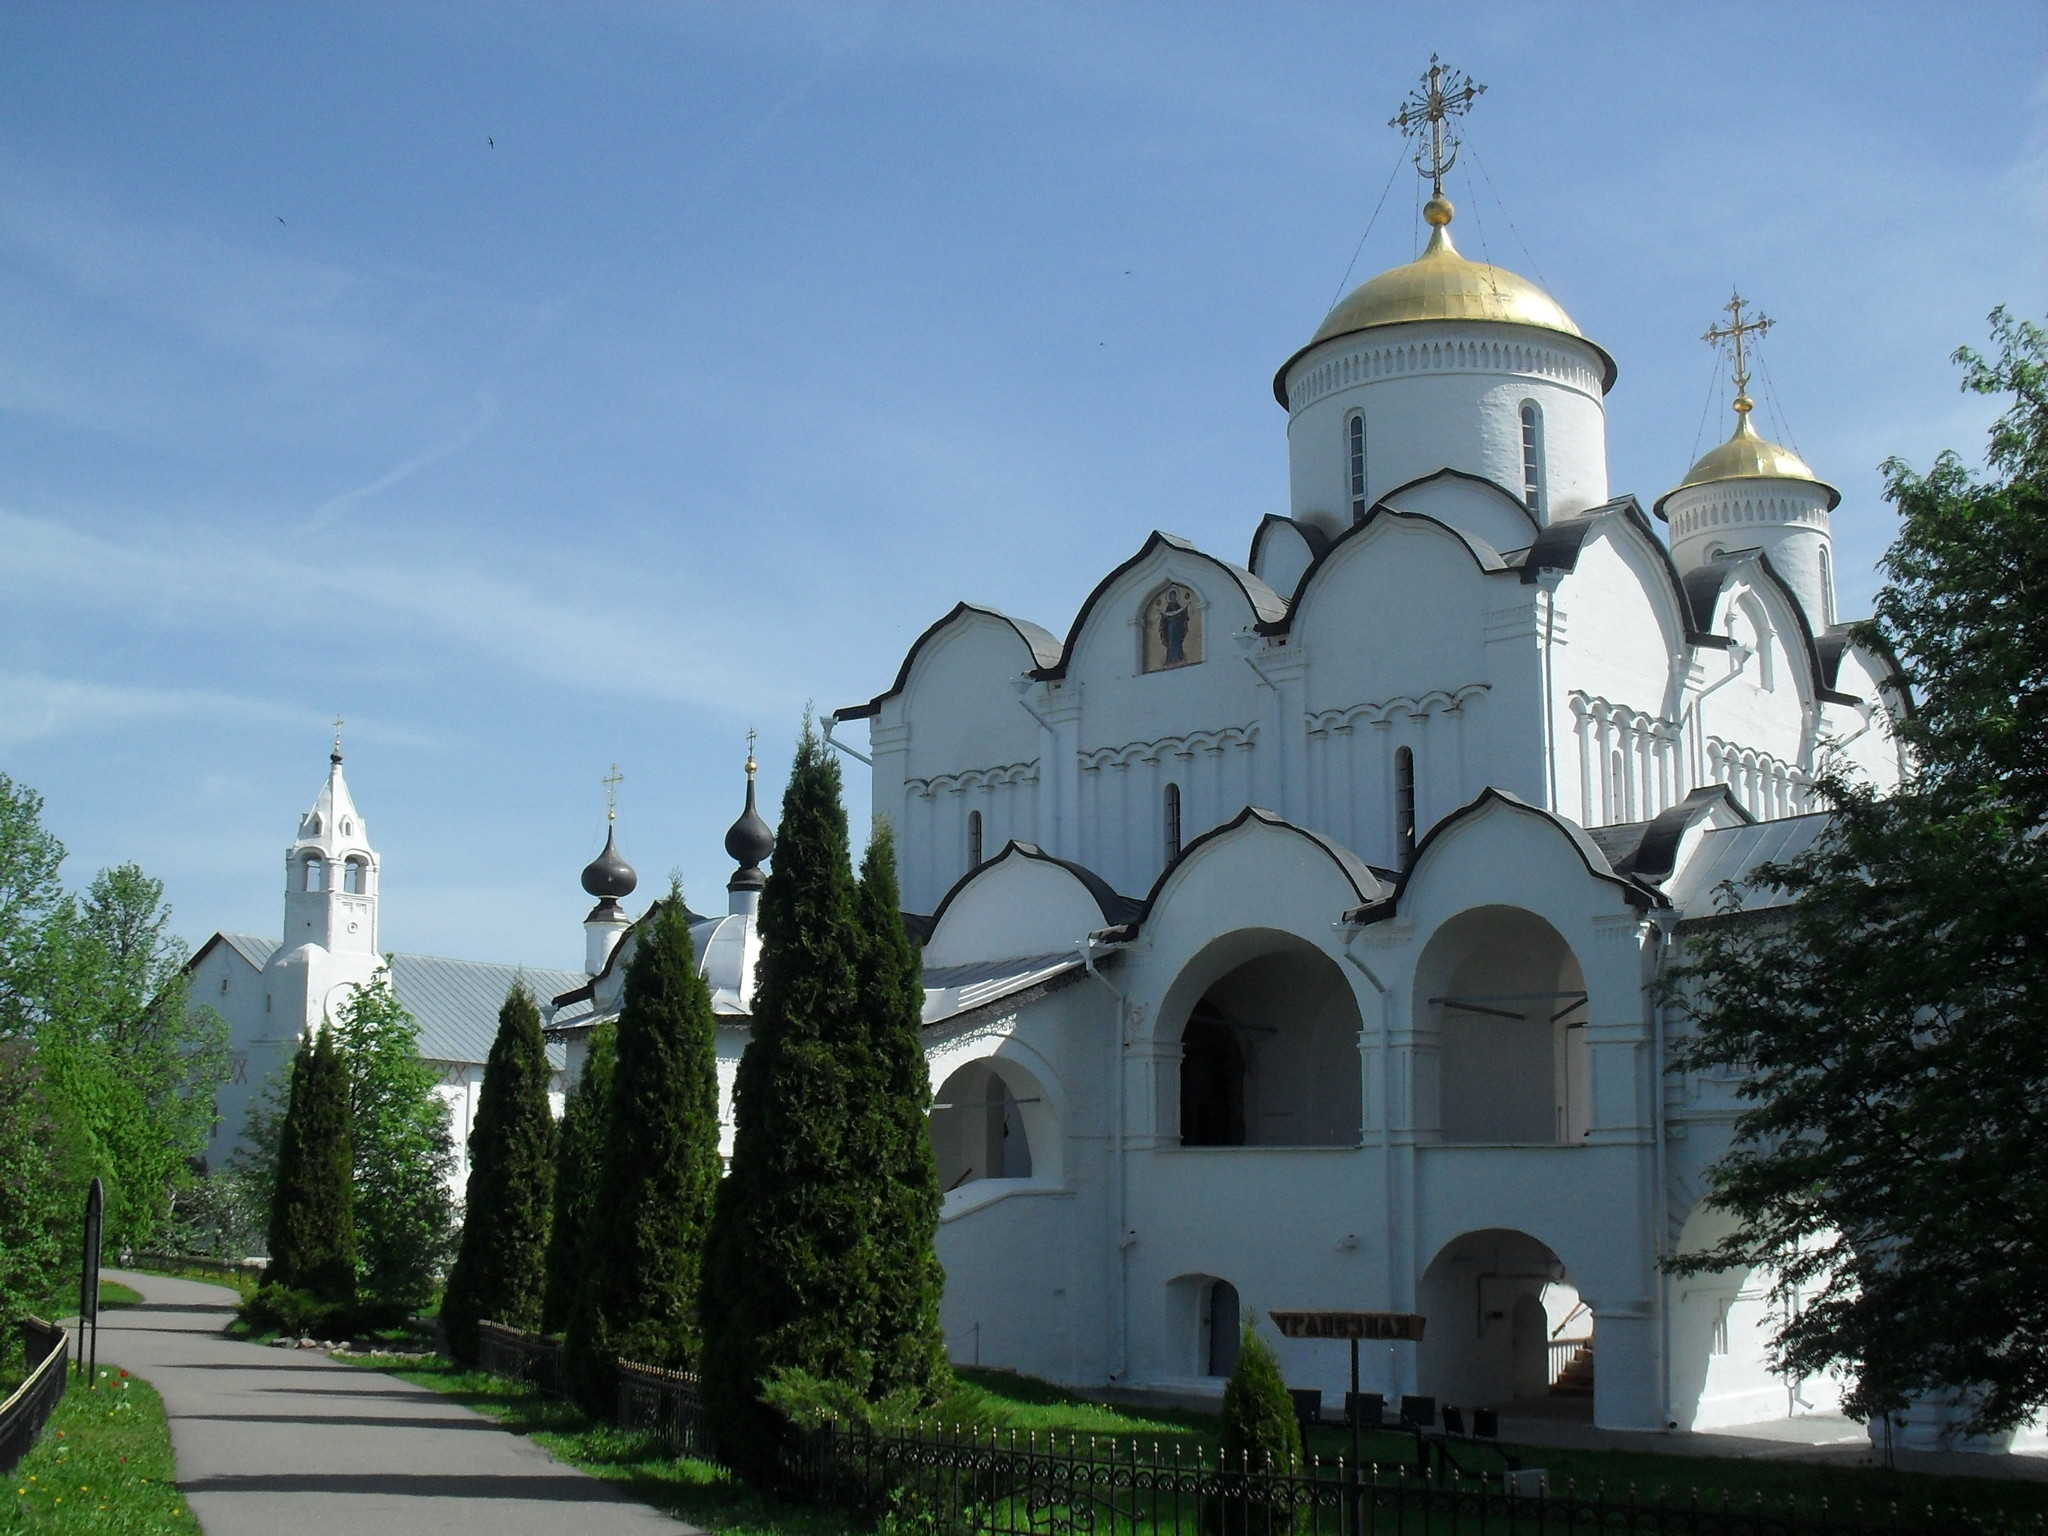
1443, 285
1746, 456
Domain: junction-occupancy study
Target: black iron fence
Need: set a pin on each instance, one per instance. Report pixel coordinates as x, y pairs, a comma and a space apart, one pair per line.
519, 1356
1010, 1483
47, 1350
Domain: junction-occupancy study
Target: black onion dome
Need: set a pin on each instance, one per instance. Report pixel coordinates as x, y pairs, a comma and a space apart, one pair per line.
749, 841
608, 877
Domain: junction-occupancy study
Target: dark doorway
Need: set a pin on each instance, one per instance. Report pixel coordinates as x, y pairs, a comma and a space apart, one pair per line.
1211, 1082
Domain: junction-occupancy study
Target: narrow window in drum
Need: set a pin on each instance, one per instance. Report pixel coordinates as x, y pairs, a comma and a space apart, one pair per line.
1532, 456
1404, 801
1354, 446
1172, 822
973, 839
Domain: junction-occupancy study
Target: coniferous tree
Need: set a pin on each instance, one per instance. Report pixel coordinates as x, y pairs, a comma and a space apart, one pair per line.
578, 1164
909, 1346
789, 1281
499, 1264
1260, 1432
312, 1216
660, 1169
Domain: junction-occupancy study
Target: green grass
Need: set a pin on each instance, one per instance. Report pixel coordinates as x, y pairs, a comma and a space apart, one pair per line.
103, 1466
698, 1492
707, 1496
114, 1294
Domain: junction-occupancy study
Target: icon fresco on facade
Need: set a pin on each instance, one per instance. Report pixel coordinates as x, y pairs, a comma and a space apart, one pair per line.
1172, 628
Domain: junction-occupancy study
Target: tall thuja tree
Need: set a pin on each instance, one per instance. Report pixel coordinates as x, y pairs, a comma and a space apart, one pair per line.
789, 1274
500, 1263
579, 1163
660, 1168
892, 1109
312, 1213
1889, 1021
404, 1153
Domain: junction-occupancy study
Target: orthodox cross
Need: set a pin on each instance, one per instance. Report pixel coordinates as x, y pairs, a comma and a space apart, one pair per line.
750, 751
337, 738
1733, 335
612, 781
1443, 95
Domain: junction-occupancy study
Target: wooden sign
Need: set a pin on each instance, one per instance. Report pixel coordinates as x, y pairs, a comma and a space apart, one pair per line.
1397, 1326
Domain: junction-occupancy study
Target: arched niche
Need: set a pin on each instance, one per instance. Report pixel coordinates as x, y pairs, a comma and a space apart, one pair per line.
1204, 1322
991, 1119
1268, 1031
1506, 1325
1501, 998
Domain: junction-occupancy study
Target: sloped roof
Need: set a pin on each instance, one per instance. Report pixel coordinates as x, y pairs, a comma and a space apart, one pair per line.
1730, 853
252, 947
456, 1002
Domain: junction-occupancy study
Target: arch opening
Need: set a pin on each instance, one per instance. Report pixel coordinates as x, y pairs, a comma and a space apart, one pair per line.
355, 876
313, 873
1506, 1325
1503, 998
1204, 1325
1269, 1048
979, 1125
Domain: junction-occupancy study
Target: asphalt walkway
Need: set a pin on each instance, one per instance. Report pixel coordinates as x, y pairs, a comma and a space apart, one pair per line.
273, 1442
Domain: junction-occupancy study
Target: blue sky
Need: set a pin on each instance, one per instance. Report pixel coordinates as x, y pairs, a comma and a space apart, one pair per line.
762, 334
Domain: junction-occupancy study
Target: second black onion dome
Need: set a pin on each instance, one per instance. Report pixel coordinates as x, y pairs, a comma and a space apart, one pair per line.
749, 841
609, 877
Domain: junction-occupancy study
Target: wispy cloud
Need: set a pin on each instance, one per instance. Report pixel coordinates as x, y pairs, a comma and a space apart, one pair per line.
37, 707
405, 469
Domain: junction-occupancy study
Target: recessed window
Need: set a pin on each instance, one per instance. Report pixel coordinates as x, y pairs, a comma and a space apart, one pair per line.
973, 839
1532, 456
1354, 463
1404, 801
1827, 590
1172, 808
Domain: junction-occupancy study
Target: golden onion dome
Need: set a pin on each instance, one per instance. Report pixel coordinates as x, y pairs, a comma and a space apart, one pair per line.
1748, 456
1442, 285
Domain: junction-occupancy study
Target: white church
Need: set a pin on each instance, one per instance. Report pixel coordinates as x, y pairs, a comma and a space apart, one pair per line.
1291, 927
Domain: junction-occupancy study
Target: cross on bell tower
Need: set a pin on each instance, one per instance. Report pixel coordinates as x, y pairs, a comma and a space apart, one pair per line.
1732, 336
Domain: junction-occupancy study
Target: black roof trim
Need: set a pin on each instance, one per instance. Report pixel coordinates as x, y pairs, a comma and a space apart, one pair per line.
1314, 537
1558, 546
1381, 510
1270, 606
1648, 850
1609, 373
1354, 869
1115, 908
1703, 588
918, 925
1484, 482
1635, 892
1043, 645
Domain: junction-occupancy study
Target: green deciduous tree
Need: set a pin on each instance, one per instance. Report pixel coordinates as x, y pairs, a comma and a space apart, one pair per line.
579, 1164
500, 1267
1891, 1023
404, 1153
32, 1212
892, 1110
312, 1214
660, 1168
789, 1275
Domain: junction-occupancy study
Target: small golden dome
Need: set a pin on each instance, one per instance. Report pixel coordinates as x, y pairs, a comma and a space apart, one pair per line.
1443, 285
1746, 456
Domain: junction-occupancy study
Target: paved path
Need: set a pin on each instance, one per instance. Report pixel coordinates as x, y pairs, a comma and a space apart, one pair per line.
273, 1442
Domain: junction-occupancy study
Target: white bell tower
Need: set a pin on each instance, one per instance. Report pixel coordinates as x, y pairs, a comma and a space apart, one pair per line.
331, 873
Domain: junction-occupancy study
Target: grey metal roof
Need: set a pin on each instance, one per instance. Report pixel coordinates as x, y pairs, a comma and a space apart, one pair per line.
1730, 853
456, 1002
252, 947
955, 989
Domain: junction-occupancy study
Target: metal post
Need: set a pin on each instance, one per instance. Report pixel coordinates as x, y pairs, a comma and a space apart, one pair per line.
89, 1277
1357, 1440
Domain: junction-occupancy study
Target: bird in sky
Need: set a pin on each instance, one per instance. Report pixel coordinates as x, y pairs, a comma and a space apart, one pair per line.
280, 218
492, 142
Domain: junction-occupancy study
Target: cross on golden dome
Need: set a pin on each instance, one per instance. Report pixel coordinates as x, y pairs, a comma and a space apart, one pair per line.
1732, 336
1426, 118
611, 782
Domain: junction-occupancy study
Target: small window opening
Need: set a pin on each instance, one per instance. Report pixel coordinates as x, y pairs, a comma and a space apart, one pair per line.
1617, 794
1532, 456
1172, 822
1827, 590
316, 870
1404, 800
1354, 443
973, 839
